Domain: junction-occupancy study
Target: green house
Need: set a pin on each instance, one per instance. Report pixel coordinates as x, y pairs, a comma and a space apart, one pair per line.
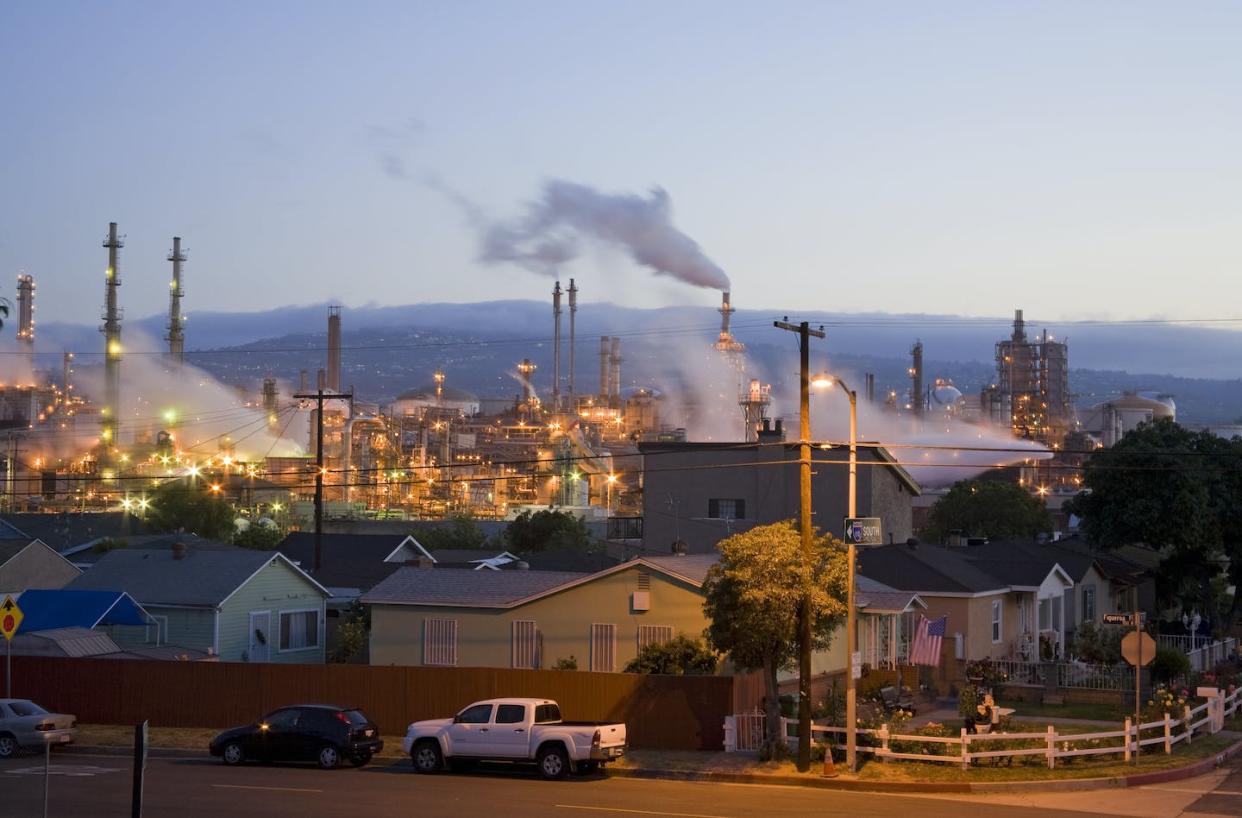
241, 605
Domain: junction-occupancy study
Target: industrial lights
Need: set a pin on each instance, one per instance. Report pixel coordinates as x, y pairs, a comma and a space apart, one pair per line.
822, 380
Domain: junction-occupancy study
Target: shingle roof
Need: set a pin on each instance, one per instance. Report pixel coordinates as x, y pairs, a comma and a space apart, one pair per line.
876, 597
60, 531
203, 578
85, 554
11, 548
693, 567
477, 589
925, 569
345, 560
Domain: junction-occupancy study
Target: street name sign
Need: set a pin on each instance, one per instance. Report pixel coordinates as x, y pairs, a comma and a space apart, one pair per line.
1124, 619
864, 531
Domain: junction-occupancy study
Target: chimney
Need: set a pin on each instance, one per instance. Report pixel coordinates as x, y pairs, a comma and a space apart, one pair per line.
679, 548
556, 347
179, 550
176, 330
573, 310
321, 380
614, 360
334, 349
605, 344
916, 378
303, 381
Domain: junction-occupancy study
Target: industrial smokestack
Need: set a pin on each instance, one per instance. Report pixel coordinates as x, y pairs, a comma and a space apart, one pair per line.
67, 375
605, 346
25, 317
916, 379
303, 381
573, 309
112, 346
556, 347
321, 381
269, 398
870, 388
615, 381
527, 370
176, 333
334, 349
1019, 327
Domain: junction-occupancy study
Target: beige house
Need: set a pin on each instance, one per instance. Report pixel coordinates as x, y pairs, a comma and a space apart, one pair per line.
532, 619
999, 605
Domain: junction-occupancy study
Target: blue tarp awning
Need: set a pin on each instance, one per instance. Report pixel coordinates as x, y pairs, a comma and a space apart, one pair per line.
64, 608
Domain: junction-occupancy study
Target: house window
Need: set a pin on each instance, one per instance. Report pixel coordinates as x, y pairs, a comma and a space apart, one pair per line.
604, 648
524, 644
439, 641
299, 630
1088, 603
654, 635
157, 631
719, 509
996, 621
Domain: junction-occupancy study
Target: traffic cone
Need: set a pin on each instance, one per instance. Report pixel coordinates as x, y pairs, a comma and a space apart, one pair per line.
830, 770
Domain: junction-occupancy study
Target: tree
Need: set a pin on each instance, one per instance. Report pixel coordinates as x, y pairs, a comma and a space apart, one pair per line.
461, 532
352, 634
1176, 490
186, 505
261, 535
987, 508
753, 595
679, 656
546, 531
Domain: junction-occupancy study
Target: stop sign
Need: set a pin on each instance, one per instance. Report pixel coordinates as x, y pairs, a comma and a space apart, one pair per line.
1136, 645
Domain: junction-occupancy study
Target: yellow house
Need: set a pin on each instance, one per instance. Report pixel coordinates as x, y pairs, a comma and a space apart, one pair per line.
533, 619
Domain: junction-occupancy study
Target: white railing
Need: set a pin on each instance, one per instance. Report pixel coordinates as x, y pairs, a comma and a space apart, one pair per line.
1209, 654
885, 745
1095, 677
1017, 671
1183, 643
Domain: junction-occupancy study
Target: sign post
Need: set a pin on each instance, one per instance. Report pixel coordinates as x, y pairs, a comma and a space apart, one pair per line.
140, 766
10, 620
1139, 649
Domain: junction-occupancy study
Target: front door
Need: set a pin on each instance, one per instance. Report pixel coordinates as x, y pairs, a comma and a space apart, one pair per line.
468, 732
507, 735
260, 636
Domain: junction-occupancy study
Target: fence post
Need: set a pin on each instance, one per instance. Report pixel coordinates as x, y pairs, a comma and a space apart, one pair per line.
965, 749
1190, 733
1052, 747
730, 734
1127, 729
883, 752
1168, 733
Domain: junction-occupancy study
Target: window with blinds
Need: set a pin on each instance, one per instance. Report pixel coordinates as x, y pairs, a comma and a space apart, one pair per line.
604, 648
439, 641
524, 644
653, 635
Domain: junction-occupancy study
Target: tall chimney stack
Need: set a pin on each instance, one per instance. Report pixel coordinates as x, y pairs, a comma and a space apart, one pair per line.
615, 361
573, 310
334, 349
176, 333
556, 347
25, 318
112, 347
605, 377
916, 379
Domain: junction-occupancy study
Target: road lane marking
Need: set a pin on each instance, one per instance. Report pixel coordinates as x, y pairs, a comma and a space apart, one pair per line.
276, 789
637, 811
1195, 792
72, 770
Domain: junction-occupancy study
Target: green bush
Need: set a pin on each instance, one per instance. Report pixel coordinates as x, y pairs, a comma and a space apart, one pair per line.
1169, 664
566, 664
679, 656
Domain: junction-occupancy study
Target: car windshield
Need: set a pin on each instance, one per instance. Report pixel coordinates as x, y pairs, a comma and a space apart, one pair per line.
356, 717
27, 709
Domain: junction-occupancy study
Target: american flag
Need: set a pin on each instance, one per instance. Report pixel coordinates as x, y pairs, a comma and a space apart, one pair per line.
927, 639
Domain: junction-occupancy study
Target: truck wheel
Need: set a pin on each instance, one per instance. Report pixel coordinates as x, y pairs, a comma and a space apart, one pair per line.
427, 757
553, 762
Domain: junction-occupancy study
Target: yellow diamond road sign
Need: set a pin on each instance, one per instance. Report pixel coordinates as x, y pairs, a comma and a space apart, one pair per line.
10, 617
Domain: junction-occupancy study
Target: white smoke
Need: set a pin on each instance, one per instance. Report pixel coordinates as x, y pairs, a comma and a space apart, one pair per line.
550, 232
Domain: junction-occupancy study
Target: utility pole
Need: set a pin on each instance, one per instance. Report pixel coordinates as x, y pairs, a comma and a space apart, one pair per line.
804, 468
319, 397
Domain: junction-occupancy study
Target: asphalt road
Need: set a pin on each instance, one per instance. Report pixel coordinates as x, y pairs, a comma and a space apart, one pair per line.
92, 785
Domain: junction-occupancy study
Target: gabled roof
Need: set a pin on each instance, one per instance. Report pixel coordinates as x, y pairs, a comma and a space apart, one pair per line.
66, 529
577, 560
345, 560
877, 598
509, 589
926, 569
69, 608
84, 554
203, 578
72, 642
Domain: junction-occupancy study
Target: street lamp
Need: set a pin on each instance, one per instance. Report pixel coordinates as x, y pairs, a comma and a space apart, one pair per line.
851, 625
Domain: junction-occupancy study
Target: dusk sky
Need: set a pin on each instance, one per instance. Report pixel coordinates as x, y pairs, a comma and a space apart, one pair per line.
1074, 159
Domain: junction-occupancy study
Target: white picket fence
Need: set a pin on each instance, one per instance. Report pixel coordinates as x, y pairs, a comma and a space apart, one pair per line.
745, 732
1208, 655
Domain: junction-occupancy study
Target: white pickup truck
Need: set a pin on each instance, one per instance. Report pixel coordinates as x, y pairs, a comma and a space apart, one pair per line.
514, 730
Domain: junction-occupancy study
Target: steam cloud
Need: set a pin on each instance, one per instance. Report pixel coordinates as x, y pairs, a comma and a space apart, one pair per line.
550, 232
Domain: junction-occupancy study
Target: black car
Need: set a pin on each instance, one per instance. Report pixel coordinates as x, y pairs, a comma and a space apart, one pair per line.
306, 732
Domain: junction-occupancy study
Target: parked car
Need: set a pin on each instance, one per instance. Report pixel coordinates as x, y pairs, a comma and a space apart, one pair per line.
24, 724
307, 732
517, 731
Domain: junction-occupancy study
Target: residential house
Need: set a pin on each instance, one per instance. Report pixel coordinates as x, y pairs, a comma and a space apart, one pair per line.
84, 555
66, 529
997, 606
700, 493
26, 564
242, 605
532, 619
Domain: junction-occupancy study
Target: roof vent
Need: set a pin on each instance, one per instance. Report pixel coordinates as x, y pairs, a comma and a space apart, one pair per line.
679, 548
521, 565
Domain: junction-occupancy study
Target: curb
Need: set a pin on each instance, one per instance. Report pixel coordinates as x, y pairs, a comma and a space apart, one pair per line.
1198, 768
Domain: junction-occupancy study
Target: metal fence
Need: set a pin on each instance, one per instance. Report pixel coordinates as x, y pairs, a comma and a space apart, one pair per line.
1095, 677
1208, 655
1017, 671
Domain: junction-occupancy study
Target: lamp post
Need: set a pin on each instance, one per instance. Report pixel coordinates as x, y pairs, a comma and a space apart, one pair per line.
804, 470
851, 624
